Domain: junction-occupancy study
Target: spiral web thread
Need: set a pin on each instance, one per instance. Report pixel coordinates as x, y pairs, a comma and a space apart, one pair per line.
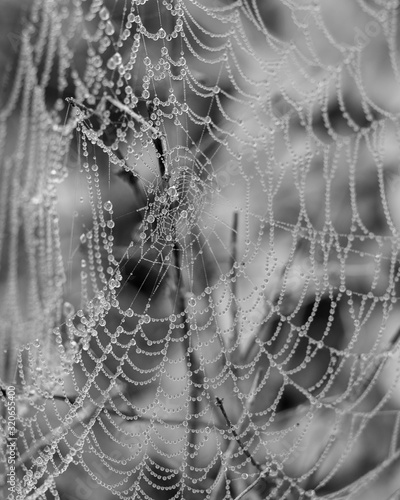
199, 249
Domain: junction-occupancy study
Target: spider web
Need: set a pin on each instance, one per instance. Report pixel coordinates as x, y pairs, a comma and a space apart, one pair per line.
199, 239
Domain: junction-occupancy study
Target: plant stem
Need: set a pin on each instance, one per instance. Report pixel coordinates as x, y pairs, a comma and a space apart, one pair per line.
261, 476
233, 260
218, 488
159, 147
236, 436
196, 379
133, 115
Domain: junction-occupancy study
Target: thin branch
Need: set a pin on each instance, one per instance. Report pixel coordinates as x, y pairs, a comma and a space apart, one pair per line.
195, 370
233, 260
236, 435
159, 147
394, 340
126, 173
218, 488
165, 421
395, 495
261, 476
90, 112
134, 115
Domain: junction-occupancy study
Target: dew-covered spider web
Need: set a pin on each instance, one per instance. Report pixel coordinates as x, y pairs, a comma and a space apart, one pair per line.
199, 249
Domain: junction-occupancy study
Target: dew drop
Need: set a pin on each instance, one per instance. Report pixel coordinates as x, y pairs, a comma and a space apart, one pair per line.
108, 206
117, 58
109, 28
104, 14
111, 64
68, 310
173, 192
